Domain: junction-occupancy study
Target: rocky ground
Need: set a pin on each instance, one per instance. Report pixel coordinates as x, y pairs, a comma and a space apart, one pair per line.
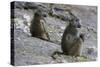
30, 50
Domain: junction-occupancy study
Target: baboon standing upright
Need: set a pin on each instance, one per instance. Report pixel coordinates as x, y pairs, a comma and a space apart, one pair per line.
71, 40
37, 28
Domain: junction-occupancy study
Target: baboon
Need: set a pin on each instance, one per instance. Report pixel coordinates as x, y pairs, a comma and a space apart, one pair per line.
37, 27
71, 39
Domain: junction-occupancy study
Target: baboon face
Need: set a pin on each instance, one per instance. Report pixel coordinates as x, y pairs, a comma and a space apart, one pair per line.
75, 23
41, 13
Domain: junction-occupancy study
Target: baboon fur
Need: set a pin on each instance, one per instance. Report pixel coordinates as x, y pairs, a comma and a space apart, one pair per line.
37, 27
71, 40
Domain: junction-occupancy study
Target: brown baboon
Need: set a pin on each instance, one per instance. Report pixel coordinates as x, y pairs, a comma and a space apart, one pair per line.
71, 40
37, 27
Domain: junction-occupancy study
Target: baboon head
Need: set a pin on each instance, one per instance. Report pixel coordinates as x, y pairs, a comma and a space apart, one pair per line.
74, 20
40, 13
75, 23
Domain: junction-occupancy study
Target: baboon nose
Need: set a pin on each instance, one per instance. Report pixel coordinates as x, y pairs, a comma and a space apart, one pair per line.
79, 26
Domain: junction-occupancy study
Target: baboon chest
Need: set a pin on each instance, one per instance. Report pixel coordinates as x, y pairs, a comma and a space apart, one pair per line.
38, 26
70, 35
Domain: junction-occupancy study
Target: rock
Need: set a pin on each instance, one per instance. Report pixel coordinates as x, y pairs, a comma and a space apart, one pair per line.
30, 50
91, 53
